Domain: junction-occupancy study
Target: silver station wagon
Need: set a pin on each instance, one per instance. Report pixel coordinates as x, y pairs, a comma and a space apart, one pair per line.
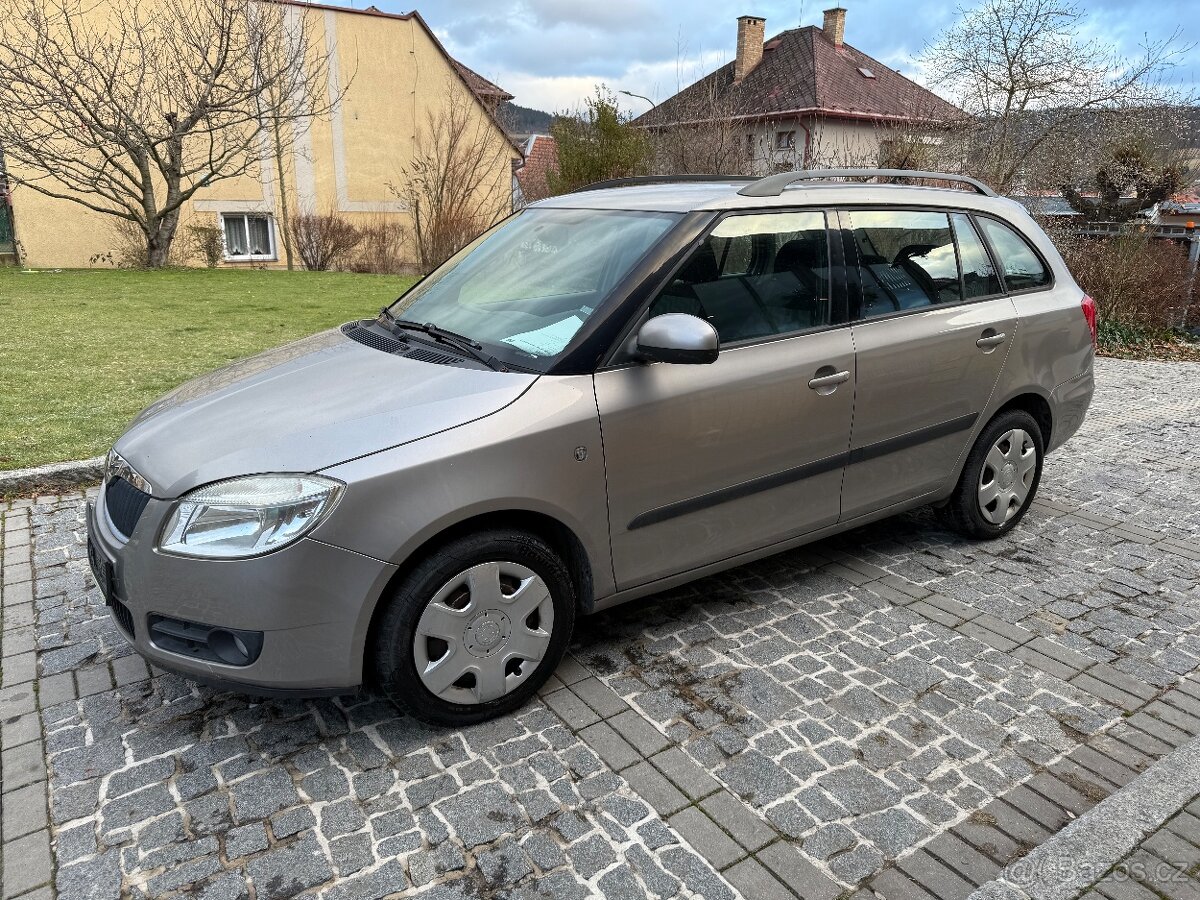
608, 394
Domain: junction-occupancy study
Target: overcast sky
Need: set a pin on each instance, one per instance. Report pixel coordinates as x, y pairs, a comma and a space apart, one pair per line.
550, 53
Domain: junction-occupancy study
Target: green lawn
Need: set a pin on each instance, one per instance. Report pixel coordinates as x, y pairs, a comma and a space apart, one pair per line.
81, 352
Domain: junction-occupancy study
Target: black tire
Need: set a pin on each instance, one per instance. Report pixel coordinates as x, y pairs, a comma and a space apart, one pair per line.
391, 649
962, 511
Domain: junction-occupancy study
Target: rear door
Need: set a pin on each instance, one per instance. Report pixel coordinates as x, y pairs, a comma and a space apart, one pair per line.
932, 328
708, 461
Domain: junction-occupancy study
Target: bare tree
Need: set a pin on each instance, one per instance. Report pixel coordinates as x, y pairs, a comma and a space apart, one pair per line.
129, 108
459, 182
709, 137
1035, 87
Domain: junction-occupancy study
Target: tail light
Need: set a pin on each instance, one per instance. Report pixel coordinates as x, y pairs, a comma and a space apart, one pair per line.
1089, 313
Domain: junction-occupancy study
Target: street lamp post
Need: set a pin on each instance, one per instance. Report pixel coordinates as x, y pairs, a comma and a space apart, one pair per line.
639, 96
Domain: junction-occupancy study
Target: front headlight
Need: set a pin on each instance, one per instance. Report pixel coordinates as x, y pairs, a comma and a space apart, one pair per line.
247, 516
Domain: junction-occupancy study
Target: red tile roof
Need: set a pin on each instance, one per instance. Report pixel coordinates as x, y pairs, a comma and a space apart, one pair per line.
541, 157
803, 72
483, 88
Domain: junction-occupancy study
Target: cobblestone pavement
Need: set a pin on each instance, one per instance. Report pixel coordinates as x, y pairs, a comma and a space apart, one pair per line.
893, 710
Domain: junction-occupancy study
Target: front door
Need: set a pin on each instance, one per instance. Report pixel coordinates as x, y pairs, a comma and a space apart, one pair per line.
931, 338
708, 461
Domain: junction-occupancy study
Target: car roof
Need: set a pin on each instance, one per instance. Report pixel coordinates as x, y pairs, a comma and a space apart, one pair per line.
720, 194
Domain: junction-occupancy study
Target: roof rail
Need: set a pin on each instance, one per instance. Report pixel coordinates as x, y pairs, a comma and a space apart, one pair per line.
773, 185
659, 179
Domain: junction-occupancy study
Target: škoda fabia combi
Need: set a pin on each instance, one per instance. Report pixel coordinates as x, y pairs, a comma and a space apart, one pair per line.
609, 393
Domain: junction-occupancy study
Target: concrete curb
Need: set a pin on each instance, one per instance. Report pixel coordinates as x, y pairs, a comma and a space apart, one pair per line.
1078, 856
52, 478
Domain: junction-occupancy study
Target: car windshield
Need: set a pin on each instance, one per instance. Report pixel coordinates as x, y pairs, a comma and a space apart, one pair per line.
523, 289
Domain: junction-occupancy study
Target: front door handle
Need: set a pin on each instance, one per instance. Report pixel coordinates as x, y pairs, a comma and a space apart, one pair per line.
988, 341
827, 383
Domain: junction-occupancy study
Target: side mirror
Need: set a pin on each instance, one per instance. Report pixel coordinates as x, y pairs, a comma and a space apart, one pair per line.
678, 338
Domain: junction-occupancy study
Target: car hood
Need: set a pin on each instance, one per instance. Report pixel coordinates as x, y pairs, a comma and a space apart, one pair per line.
302, 407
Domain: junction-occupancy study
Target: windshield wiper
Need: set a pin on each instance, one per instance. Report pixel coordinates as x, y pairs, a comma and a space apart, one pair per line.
460, 342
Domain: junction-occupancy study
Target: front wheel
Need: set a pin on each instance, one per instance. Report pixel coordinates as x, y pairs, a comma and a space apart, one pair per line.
475, 629
1000, 478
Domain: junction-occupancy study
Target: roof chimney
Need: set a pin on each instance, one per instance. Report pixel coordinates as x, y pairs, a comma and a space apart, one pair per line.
835, 25
751, 32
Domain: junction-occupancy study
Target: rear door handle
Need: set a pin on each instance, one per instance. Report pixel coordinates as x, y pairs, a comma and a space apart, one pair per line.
828, 381
991, 340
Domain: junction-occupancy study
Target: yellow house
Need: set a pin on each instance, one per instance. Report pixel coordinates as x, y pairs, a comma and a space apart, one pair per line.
392, 73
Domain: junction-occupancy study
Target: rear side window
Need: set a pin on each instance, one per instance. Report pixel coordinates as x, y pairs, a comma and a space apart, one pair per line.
1022, 267
906, 260
756, 276
979, 275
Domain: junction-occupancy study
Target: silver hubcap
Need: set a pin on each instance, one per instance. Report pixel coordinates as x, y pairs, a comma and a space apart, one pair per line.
484, 632
1007, 476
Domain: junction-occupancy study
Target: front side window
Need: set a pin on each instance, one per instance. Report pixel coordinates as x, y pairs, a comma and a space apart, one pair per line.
979, 275
248, 236
756, 276
523, 289
906, 260
1022, 267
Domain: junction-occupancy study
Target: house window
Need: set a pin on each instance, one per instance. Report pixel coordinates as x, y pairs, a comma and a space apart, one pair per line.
248, 236
750, 154
785, 140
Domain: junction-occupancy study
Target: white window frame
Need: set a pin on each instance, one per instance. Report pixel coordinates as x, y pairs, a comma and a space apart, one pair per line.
249, 257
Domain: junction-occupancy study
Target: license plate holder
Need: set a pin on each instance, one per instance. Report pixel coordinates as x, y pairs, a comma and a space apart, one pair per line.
102, 571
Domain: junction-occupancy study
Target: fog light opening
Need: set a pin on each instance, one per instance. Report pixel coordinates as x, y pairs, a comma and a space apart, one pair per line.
229, 647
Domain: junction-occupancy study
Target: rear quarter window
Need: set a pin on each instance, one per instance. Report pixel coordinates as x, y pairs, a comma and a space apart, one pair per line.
1019, 263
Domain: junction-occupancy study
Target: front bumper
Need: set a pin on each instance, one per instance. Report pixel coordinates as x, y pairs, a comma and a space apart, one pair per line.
312, 602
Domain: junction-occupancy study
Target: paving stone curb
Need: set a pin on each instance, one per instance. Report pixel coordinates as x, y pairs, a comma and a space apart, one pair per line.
52, 478
1073, 859
26, 863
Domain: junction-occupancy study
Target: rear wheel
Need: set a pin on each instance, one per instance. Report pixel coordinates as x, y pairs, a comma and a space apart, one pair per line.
1000, 478
475, 629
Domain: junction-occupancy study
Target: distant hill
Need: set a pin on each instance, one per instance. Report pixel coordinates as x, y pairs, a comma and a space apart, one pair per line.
523, 120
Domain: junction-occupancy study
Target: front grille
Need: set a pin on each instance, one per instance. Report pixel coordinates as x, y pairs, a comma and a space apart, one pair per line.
357, 331
123, 616
124, 504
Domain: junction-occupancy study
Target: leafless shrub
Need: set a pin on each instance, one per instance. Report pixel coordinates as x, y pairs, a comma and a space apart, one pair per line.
324, 240
458, 183
208, 243
382, 247
1139, 282
129, 108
